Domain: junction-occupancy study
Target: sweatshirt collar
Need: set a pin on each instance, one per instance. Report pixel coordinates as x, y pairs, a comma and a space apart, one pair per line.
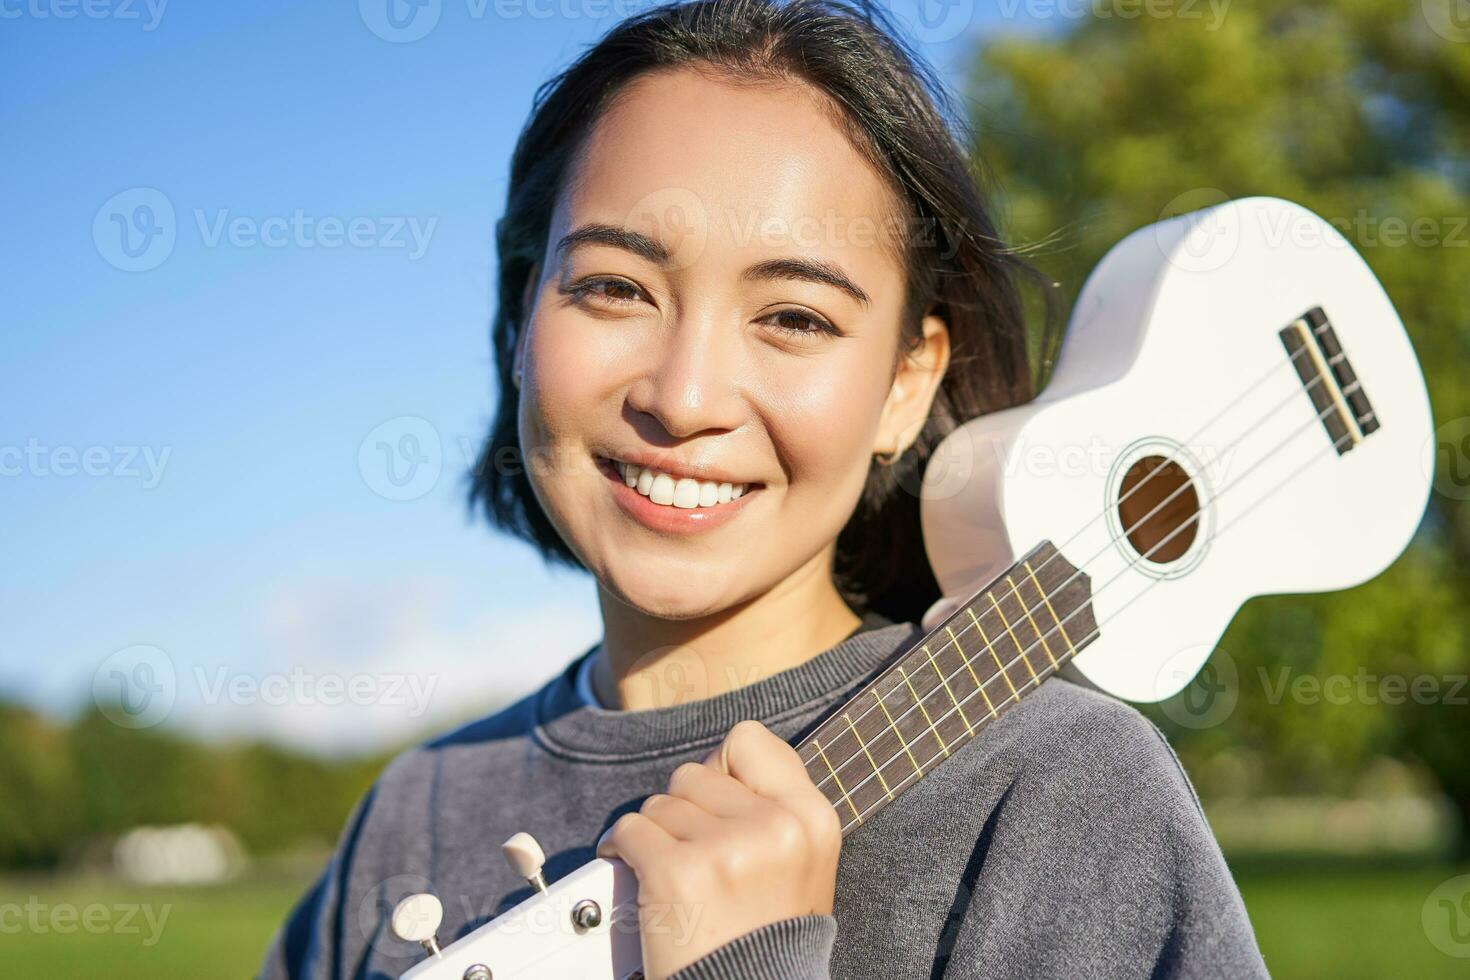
567, 724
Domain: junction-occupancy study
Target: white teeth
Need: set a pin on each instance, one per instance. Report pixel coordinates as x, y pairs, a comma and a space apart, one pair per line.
664, 488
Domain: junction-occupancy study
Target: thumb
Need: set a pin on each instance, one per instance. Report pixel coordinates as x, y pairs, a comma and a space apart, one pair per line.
940, 611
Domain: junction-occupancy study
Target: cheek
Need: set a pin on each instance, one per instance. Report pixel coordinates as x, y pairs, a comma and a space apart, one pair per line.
564, 375
824, 426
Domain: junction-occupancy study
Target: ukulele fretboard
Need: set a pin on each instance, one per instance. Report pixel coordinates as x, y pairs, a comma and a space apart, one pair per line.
987, 656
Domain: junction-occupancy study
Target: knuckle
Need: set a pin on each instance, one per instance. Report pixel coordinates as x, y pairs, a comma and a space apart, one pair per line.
730, 864
685, 776
656, 801
786, 831
748, 730
827, 823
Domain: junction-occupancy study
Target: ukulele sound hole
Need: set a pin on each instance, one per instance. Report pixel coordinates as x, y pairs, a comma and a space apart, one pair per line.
1152, 533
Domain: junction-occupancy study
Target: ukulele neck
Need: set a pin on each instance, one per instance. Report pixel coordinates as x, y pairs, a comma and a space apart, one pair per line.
966, 672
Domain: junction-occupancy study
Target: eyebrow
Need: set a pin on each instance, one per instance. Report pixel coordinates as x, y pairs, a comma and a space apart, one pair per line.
802, 269
600, 234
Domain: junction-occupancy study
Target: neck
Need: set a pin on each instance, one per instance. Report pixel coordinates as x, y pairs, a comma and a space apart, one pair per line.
648, 661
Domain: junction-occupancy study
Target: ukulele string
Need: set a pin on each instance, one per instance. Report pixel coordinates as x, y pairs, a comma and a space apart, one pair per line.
1052, 668
1041, 637
1015, 591
1266, 417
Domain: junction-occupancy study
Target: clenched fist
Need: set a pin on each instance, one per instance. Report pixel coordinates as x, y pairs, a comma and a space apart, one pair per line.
740, 840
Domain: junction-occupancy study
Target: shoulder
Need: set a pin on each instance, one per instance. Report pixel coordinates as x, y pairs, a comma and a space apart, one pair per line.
1097, 832
1079, 757
480, 739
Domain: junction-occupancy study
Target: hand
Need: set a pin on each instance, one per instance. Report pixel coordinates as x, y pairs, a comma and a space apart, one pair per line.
740, 840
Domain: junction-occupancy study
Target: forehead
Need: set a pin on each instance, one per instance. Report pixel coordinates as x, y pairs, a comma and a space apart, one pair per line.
749, 168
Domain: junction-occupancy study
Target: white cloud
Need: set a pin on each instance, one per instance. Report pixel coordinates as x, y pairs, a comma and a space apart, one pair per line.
342, 666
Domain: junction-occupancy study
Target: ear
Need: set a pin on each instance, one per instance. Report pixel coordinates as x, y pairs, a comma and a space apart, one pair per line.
522, 329
915, 384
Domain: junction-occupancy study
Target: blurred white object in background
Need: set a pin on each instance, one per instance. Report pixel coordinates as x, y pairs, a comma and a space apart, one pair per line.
184, 854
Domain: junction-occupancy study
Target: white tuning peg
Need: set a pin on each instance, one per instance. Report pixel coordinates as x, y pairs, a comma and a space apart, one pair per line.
417, 919
526, 859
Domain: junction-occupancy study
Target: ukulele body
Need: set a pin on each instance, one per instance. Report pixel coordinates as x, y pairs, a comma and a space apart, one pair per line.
1174, 351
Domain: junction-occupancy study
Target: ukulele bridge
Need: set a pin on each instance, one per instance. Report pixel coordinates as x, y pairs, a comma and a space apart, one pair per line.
1329, 379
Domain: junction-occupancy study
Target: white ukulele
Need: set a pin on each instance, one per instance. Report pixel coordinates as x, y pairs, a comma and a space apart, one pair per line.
1236, 411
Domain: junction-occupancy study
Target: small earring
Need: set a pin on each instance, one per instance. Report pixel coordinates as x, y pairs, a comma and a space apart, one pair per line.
887, 459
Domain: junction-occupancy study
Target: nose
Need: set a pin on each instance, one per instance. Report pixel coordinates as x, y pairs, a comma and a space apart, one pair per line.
693, 384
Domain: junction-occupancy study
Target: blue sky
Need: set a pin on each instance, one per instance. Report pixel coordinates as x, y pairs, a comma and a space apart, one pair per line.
196, 421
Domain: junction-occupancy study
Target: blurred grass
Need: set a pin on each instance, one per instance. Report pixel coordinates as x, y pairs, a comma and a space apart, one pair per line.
1343, 921
210, 931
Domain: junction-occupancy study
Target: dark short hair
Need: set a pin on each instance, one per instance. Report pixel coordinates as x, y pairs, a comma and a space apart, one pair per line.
895, 110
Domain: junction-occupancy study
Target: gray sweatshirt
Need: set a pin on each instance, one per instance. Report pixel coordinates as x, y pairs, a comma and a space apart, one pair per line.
1063, 841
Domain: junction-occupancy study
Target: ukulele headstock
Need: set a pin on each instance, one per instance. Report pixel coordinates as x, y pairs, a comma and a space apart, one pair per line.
585, 925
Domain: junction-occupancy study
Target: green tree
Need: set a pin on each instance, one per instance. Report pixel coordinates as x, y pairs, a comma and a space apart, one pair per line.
1359, 110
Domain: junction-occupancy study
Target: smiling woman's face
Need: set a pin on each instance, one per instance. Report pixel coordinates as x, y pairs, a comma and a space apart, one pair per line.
720, 295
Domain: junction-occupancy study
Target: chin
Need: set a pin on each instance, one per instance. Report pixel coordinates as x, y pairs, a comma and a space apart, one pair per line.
670, 596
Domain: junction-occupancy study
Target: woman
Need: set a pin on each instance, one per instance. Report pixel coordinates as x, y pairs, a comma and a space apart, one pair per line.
747, 284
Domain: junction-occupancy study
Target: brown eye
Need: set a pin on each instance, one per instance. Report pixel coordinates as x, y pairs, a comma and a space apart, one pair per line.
801, 323
617, 291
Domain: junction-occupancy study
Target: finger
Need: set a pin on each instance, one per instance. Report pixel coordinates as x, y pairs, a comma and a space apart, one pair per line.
680, 818
636, 841
712, 791
763, 761
939, 612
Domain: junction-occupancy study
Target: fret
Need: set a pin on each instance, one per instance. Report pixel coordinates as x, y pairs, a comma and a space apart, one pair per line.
1046, 600
994, 654
940, 674
877, 770
1026, 604
1020, 650
838, 778
899, 735
969, 665
920, 701
941, 693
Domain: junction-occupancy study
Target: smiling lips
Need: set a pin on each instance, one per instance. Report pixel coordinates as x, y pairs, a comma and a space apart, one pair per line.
669, 490
678, 505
